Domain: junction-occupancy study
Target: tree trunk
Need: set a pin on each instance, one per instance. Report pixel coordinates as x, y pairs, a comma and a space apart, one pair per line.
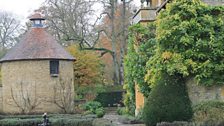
113, 42
123, 43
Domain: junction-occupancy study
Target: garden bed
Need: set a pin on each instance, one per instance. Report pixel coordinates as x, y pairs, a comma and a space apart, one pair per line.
55, 119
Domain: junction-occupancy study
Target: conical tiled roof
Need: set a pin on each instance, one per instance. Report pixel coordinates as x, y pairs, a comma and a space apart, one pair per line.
37, 44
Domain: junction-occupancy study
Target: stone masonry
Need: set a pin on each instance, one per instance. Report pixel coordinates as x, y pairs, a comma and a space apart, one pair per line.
199, 93
31, 79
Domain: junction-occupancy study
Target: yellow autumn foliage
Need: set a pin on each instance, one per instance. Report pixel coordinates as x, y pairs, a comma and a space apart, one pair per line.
87, 67
166, 55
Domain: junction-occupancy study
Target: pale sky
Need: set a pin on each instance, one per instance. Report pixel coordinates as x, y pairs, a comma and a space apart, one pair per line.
24, 8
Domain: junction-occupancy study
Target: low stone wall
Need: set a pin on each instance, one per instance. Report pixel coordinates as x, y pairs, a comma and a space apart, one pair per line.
199, 93
182, 123
214, 2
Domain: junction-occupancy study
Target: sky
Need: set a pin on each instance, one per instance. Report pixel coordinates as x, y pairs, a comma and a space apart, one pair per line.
24, 8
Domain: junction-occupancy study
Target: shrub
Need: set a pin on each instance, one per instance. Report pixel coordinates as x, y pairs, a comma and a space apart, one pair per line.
91, 105
19, 122
209, 111
56, 120
100, 112
121, 111
110, 98
181, 123
87, 67
168, 101
94, 107
173, 124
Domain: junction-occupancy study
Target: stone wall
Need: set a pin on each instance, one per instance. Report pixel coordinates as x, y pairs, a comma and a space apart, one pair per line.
214, 2
23, 80
198, 93
1, 103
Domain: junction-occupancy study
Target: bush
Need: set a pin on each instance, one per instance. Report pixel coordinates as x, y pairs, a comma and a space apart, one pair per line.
167, 102
94, 107
100, 112
56, 120
110, 98
91, 105
181, 123
121, 111
19, 122
176, 123
209, 111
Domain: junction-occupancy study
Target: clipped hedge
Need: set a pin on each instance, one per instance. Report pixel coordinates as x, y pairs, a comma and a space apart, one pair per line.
20, 122
56, 120
111, 99
167, 102
182, 123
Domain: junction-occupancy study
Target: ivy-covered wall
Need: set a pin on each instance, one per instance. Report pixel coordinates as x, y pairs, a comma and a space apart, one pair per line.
189, 38
141, 46
187, 41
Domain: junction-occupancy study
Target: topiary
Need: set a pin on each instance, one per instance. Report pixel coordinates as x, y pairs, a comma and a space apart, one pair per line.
167, 102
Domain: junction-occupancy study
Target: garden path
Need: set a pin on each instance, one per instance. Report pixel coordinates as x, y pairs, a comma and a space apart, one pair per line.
114, 118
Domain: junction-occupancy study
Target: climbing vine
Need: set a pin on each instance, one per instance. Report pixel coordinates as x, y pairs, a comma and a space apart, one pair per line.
187, 41
140, 48
189, 38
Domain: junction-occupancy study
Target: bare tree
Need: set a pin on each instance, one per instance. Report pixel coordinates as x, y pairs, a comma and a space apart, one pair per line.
9, 30
64, 95
74, 21
25, 99
115, 25
71, 21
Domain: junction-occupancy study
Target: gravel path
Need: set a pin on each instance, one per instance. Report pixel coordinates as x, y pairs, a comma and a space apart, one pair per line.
114, 118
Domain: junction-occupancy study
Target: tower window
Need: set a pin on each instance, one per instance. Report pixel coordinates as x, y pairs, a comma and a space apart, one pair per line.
54, 67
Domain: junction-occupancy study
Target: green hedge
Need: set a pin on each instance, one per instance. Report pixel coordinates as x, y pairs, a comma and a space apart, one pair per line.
56, 120
181, 123
111, 99
167, 102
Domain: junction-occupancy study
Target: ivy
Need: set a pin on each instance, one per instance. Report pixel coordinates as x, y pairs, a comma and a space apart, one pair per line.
140, 47
186, 41
189, 39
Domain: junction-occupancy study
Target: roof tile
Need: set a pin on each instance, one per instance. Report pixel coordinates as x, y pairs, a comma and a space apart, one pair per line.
37, 44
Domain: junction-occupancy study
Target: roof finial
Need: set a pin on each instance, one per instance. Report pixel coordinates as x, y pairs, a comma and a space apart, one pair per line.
37, 18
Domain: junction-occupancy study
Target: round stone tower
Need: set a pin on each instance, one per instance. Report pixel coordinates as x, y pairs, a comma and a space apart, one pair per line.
37, 74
